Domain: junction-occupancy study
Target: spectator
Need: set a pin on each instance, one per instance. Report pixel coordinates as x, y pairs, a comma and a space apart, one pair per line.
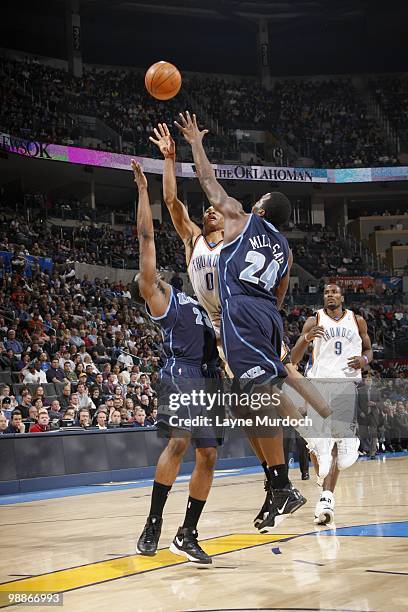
69, 374
55, 374
115, 418
101, 419
8, 361
140, 418
69, 415
25, 404
34, 375
84, 419
152, 418
65, 398
3, 423
32, 414
6, 405
54, 411
13, 344
84, 399
43, 422
95, 396
16, 424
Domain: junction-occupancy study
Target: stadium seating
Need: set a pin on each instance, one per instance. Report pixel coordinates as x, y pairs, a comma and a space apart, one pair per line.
307, 116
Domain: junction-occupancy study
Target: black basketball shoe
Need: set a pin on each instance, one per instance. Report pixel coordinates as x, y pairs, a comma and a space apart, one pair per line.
264, 510
281, 503
149, 540
185, 544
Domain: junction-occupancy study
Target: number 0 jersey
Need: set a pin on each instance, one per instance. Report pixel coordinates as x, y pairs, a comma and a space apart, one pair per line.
254, 263
341, 341
202, 271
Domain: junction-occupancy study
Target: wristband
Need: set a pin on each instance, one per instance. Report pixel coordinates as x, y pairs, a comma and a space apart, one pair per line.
365, 359
305, 338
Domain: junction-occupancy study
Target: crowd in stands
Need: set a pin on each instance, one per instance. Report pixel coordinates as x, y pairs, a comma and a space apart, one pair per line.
323, 120
322, 253
328, 122
42, 102
383, 415
89, 243
391, 93
77, 349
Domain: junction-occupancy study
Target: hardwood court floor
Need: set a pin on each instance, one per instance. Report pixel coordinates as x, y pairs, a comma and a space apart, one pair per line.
84, 545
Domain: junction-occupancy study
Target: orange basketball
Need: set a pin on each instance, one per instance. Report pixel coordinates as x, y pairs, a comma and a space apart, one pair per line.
163, 81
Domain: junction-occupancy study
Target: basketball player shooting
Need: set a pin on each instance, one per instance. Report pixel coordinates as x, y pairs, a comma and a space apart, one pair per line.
189, 341
202, 249
341, 349
260, 288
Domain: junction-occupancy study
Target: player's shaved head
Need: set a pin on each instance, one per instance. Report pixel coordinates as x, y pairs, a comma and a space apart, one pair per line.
333, 296
275, 207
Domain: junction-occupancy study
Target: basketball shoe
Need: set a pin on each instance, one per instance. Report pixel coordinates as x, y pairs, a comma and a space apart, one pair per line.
322, 449
281, 503
264, 510
185, 544
347, 452
149, 540
324, 510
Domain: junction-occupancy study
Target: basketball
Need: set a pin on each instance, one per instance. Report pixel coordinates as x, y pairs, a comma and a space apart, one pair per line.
163, 80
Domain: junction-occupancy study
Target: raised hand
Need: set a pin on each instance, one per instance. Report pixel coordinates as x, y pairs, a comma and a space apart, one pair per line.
140, 178
189, 128
164, 141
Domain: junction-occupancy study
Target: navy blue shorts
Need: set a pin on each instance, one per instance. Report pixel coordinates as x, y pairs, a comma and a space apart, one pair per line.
172, 417
251, 332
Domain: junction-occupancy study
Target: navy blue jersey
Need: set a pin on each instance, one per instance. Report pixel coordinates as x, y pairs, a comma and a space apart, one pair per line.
189, 337
254, 263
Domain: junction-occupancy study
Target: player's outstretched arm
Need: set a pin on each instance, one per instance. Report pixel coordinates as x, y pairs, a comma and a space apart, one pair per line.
310, 331
216, 194
184, 226
151, 287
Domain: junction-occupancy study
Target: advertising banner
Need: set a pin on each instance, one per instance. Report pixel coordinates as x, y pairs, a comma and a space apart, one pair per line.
118, 161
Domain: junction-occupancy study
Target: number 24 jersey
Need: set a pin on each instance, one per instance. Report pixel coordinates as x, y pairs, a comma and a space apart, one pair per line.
254, 263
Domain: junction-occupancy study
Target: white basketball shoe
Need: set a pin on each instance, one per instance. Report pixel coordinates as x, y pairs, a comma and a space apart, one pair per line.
322, 449
324, 510
347, 452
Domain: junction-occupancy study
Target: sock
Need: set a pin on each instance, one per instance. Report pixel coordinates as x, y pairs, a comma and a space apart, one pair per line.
265, 469
193, 512
159, 498
278, 476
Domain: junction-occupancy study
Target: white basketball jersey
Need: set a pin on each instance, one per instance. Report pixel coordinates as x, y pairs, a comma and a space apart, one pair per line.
203, 274
341, 341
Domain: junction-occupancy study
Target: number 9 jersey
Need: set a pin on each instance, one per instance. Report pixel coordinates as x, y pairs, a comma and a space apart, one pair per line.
341, 341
